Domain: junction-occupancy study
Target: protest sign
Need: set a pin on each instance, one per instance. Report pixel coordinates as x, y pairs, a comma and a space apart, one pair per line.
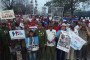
32, 43
17, 34
76, 41
7, 14
64, 41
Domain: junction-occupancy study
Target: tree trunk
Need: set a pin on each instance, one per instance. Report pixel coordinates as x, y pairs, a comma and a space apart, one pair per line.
72, 9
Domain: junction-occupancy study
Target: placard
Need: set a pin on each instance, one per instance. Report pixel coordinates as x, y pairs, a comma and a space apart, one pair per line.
17, 34
7, 14
32, 44
76, 41
64, 41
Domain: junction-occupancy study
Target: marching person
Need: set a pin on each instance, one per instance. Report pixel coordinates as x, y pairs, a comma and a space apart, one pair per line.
41, 33
32, 45
51, 35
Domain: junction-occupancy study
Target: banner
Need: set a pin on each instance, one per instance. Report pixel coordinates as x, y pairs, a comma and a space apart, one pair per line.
7, 14
17, 34
76, 41
64, 41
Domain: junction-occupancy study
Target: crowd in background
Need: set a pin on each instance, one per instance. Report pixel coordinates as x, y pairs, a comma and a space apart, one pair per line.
47, 32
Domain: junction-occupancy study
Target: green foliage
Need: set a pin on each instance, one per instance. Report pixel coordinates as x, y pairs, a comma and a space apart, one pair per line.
67, 4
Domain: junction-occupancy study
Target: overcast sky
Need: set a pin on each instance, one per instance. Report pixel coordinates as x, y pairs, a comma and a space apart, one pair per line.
41, 4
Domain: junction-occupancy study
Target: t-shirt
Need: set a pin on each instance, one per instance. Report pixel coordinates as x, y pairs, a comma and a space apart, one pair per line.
50, 37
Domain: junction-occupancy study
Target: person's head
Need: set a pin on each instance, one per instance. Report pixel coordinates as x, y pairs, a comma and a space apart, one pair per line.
63, 26
39, 26
55, 24
51, 27
83, 26
31, 33
3, 24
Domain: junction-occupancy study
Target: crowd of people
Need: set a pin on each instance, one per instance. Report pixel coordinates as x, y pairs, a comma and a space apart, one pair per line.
42, 35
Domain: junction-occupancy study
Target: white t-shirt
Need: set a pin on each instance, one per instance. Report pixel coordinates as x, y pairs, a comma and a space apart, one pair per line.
50, 37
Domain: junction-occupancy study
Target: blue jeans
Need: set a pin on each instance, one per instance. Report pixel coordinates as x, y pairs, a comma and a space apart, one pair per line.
32, 55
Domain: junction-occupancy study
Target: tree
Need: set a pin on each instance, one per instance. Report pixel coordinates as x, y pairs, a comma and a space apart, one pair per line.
8, 4
17, 5
69, 5
19, 8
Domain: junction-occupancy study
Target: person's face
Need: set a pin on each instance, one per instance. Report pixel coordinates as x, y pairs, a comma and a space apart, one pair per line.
39, 27
3, 25
50, 27
31, 33
63, 27
83, 28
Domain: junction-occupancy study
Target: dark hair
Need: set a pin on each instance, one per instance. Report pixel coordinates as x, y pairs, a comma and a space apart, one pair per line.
31, 31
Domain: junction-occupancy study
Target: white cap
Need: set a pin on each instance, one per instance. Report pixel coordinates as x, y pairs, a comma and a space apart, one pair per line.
64, 20
68, 24
64, 24
89, 20
83, 19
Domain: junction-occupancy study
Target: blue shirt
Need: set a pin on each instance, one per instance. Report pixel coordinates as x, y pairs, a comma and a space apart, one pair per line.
58, 33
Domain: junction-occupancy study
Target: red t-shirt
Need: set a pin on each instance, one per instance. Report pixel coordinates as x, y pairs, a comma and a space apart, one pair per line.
57, 28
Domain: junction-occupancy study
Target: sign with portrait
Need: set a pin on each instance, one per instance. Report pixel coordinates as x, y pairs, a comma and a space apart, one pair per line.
64, 41
32, 43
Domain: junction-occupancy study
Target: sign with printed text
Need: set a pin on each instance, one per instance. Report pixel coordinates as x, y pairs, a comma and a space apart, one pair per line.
17, 34
76, 41
7, 14
64, 42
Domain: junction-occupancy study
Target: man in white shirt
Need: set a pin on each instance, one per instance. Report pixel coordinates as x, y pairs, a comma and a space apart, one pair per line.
51, 34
